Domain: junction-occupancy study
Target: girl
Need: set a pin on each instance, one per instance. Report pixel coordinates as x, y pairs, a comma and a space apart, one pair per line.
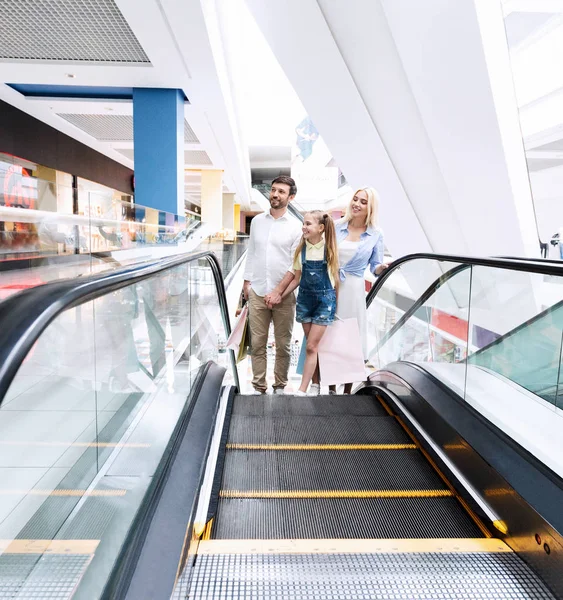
316, 274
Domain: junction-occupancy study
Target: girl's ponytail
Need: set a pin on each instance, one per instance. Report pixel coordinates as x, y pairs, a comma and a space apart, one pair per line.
298, 249
331, 248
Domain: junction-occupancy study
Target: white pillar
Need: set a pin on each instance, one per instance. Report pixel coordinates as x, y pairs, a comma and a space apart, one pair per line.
229, 212
212, 199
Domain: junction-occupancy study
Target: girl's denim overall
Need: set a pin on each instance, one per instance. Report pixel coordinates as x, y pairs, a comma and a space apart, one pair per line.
316, 301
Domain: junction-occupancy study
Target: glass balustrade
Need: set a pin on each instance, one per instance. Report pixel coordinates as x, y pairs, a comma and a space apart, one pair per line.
491, 334
90, 412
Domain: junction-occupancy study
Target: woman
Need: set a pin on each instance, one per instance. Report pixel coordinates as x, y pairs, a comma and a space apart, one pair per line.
360, 244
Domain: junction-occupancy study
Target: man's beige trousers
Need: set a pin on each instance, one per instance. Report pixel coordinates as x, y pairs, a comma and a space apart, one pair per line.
260, 317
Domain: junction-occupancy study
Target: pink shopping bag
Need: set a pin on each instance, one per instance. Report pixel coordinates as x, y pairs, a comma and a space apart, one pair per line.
235, 338
341, 358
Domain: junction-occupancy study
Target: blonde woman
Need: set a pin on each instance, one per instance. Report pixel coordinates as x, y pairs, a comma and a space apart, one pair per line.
360, 244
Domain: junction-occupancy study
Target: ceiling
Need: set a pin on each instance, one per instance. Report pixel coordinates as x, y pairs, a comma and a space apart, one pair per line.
533, 30
124, 44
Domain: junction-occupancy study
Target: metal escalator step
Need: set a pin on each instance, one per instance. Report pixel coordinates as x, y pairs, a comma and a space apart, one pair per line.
328, 470
283, 406
344, 429
53, 576
363, 576
347, 518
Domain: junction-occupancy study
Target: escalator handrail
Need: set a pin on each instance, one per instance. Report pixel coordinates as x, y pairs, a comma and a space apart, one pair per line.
528, 265
420, 301
26, 315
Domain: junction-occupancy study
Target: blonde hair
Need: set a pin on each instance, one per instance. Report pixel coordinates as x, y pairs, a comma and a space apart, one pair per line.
372, 218
331, 246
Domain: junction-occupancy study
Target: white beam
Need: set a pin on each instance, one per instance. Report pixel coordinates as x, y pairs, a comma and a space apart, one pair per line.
456, 59
545, 155
42, 111
537, 6
326, 88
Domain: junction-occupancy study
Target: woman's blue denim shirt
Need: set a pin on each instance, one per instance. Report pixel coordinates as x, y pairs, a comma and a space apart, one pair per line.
370, 250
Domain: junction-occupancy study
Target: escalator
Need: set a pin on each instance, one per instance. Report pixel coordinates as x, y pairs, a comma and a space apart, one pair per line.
368, 515
151, 477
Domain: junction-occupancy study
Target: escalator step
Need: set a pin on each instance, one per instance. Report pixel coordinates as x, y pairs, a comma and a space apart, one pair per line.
296, 406
346, 518
360, 575
343, 429
247, 470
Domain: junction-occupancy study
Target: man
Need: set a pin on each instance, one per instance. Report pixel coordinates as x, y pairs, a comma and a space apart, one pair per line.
273, 239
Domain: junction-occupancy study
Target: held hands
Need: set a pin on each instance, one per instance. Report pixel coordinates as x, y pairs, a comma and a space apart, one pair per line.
272, 299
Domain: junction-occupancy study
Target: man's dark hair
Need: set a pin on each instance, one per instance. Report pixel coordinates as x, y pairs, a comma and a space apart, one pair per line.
287, 180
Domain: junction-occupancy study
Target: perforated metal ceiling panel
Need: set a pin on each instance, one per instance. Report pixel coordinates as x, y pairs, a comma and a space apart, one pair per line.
196, 157
191, 157
114, 128
105, 128
67, 30
189, 136
128, 153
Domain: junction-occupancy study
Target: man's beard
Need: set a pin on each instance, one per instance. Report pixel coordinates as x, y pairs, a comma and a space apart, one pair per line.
278, 203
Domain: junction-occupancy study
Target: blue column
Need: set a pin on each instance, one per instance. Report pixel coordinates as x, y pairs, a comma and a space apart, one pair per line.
158, 137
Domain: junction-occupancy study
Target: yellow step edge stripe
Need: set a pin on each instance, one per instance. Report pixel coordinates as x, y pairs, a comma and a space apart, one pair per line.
207, 531
307, 494
48, 546
78, 444
321, 447
353, 546
61, 492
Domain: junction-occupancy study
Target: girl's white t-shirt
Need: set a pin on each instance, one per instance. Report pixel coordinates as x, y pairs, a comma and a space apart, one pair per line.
312, 252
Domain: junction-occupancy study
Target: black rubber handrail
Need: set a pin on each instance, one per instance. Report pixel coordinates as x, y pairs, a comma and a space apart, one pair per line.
26, 315
528, 265
427, 294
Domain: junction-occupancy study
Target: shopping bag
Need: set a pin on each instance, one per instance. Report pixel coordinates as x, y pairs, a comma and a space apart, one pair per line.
341, 358
235, 339
302, 356
244, 346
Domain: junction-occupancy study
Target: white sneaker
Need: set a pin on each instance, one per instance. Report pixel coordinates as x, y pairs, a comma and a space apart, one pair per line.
300, 393
257, 393
279, 392
315, 389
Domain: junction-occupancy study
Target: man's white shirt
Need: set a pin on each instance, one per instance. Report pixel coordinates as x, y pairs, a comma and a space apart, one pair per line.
271, 248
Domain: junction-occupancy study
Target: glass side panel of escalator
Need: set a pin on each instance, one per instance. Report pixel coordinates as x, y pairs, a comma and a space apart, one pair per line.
492, 335
85, 423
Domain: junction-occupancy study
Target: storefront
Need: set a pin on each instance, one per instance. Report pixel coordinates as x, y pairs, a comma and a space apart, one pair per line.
46, 211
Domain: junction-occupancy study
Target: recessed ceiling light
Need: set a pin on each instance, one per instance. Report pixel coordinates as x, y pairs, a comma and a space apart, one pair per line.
71, 75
